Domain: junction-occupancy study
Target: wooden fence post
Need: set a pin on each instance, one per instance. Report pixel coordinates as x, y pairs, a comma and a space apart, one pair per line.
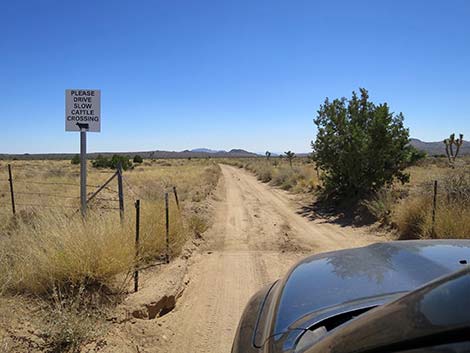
120, 191
167, 223
176, 197
12, 193
434, 205
137, 235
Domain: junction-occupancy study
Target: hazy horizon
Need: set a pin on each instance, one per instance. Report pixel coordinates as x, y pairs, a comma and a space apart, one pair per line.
261, 152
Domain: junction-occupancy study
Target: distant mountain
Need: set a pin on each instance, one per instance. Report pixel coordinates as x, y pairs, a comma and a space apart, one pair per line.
437, 148
431, 148
221, 153
204, 150
196, 153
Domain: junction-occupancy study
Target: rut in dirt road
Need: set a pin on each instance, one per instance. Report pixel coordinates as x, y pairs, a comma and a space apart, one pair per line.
256, 237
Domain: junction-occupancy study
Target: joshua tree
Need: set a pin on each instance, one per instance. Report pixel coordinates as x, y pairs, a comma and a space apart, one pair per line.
290, 156
268, 155
450, 142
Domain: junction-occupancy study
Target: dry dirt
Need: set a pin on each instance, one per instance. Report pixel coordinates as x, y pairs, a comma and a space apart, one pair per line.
257, 235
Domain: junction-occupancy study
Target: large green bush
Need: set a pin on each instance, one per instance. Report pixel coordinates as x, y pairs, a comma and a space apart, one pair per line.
360, 146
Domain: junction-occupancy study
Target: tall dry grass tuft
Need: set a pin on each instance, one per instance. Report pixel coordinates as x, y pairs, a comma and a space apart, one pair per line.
55, 250
413, 216
452, 222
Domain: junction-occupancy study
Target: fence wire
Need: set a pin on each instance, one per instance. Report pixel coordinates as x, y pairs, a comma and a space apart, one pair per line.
136, 195
23, 195
105, 200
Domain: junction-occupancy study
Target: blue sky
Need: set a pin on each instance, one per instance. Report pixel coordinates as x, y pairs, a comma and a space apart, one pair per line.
227, 74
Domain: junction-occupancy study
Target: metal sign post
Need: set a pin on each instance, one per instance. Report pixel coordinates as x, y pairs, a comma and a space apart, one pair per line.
83, 195
83, 113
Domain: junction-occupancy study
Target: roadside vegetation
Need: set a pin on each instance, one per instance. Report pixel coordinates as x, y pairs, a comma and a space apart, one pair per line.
61, 265
409, 208
362, 165
405, 209
298, 175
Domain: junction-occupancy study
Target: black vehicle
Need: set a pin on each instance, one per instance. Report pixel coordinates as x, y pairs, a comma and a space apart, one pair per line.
406, 296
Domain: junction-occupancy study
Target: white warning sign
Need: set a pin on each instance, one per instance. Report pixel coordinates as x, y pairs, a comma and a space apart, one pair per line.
83, 110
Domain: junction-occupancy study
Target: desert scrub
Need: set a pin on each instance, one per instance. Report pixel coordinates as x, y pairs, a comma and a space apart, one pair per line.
380, 205
285, 177
413, 214
68, 270
301, 177
413, 218
264, 173
45, 248
70, 321
54, 250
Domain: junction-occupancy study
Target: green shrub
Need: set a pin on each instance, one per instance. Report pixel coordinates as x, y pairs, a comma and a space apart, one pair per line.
75, 160
138, 159
124, 160
414, 155
360, 147
103, 162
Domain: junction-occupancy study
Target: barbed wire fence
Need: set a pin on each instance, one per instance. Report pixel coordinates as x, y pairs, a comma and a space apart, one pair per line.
23, 198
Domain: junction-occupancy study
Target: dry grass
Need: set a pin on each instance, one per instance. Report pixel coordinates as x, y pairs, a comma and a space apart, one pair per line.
43, 248
412, 214
54, 250
50, 249
408, 208
299, 178
69, 323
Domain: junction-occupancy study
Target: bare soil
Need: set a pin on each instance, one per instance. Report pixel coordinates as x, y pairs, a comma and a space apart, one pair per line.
256, 237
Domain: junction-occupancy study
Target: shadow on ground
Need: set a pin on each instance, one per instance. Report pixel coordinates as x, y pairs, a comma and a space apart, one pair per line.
342, 216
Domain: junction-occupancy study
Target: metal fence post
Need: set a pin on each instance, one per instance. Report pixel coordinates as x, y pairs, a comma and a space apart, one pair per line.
137, 235
12, 193
176, 197
434, 205
167, 223
120, 191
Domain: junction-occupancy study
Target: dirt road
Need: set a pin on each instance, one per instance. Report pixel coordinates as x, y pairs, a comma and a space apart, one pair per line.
256, 237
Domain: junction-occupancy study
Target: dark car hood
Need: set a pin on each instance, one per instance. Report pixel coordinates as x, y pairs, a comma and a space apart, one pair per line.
437, 314
371, 275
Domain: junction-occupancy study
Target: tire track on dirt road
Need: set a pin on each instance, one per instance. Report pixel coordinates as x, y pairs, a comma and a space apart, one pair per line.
256, 237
